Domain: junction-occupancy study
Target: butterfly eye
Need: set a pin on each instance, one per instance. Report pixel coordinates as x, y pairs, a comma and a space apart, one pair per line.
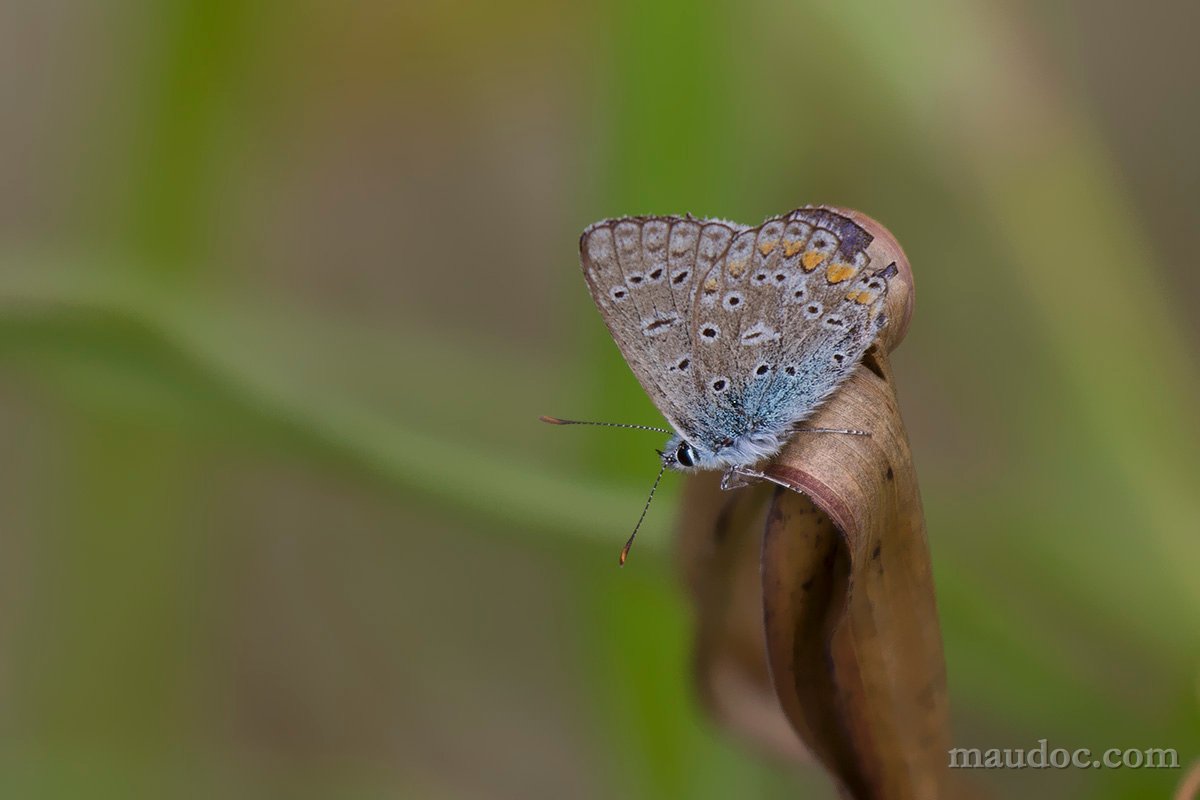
685, 455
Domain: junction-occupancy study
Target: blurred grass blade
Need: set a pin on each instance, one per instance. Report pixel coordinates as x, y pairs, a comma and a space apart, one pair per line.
1024, 159
162, 359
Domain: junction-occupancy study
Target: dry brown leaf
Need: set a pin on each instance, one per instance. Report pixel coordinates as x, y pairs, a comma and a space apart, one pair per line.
817, 632
1189, 787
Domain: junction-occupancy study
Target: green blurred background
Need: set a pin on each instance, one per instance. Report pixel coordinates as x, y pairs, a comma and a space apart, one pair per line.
284, 287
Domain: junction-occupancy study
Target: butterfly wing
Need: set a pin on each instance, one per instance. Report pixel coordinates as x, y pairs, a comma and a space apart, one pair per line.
736, 333
642, 273
782, 319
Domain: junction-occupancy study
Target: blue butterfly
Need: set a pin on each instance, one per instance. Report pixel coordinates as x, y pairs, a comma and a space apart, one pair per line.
736, 333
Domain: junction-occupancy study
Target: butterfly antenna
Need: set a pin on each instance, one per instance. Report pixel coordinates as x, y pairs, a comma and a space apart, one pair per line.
645, 508
557, 421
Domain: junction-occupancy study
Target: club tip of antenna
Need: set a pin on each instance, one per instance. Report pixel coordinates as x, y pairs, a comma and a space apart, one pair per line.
624, 555
552, 420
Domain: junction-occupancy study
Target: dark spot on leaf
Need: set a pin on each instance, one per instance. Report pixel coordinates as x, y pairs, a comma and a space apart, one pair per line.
872, 362
721, 529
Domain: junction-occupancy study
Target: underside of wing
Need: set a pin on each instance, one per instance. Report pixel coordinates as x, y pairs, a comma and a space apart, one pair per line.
782, 319
737, 333
642, 273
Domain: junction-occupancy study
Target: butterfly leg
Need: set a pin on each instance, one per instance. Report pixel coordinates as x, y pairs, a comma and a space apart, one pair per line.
740, 477
847, 431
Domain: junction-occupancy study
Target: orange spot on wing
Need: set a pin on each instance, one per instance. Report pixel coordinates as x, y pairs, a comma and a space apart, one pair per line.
860, 297
791, 248
736, 268
766, 247
839, 272
811, 260
710, 285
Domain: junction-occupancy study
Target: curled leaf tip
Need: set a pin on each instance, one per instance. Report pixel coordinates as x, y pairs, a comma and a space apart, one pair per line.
817, 628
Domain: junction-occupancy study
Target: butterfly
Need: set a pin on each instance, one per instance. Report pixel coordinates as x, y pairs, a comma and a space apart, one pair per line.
737, 334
